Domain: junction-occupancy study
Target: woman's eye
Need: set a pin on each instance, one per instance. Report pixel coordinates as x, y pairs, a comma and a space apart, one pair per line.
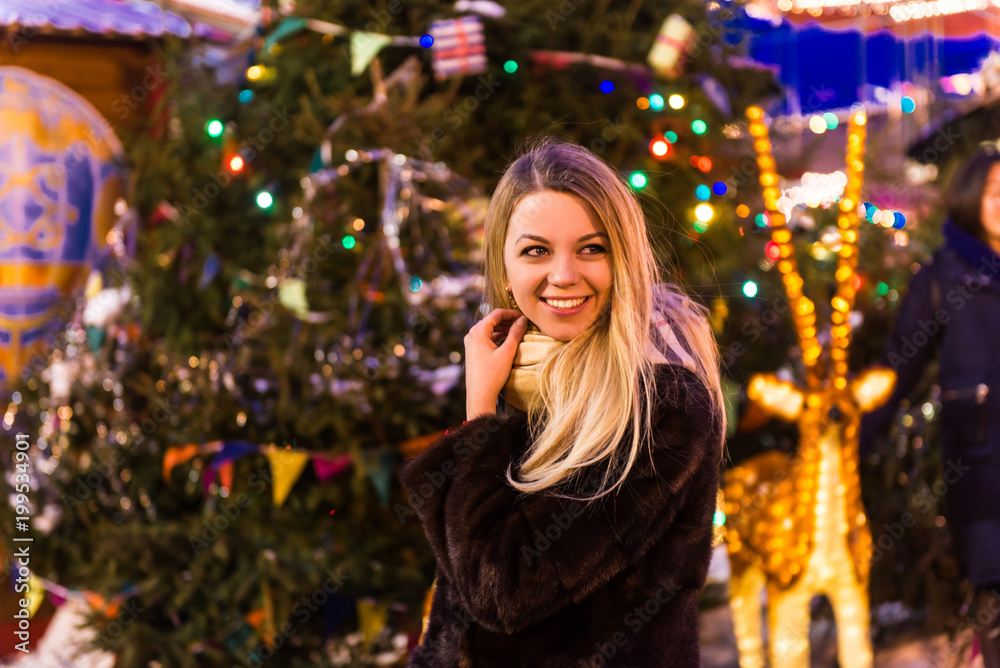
593, 249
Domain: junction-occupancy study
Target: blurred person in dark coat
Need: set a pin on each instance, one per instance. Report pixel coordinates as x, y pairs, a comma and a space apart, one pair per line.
952, 313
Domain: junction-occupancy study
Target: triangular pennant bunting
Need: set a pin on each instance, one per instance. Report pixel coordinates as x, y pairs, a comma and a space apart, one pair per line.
364, 47
286, 467
328, 467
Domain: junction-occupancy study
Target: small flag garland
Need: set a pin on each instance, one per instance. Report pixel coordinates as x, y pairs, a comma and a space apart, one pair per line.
458, 47
287, 463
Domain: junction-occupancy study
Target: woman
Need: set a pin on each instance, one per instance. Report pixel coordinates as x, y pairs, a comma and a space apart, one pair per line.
571, 515
952, 312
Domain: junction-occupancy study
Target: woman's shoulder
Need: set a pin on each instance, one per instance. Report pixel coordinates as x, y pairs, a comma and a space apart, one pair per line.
675, 379
680, 391
686, 425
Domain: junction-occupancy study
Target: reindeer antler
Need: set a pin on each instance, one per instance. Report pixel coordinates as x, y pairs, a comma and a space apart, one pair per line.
847, 257
803, 309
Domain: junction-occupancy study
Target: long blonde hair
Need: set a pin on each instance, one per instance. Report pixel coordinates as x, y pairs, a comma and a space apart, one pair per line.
607, 368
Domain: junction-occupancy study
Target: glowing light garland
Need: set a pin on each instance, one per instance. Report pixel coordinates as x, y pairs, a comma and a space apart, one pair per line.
900, 12
922, 10
816, 190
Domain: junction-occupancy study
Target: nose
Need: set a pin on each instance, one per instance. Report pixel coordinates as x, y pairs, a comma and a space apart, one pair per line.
564, 271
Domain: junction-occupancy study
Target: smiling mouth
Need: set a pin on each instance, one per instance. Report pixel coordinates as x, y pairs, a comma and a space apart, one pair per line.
566, 304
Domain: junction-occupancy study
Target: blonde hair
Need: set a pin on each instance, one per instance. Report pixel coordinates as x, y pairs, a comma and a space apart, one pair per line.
608, 366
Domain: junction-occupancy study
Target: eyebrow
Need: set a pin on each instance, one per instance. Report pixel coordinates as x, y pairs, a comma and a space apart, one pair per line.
545, 241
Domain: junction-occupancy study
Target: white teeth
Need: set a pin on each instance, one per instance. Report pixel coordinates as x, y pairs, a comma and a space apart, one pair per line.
565, 303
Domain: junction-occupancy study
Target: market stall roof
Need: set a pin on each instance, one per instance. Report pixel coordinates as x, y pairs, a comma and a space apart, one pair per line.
109, 18
131, 19
957, 133
868, 61
238, 17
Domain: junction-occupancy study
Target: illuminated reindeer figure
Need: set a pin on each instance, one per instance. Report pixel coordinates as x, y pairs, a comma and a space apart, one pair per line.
796, 524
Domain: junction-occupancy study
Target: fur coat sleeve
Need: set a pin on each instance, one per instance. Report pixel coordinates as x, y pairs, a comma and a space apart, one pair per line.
516, 559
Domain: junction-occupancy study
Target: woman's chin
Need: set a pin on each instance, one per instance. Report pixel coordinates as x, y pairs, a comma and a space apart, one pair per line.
562, 331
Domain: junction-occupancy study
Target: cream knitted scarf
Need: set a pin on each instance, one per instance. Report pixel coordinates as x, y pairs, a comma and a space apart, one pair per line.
522, 383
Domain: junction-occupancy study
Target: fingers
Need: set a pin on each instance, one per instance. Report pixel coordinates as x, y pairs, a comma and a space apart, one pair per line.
499, 315
497, 318
517, 326
517, 331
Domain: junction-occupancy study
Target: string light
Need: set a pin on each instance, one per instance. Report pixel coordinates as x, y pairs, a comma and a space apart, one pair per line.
961, 84
264, 199
236, 164
882, 217
638, 180
676, 101
703, 192
659, 148
919, 10
656, 102
699, 127
510, 66
215, 128
816, 190
750, 289
704, 212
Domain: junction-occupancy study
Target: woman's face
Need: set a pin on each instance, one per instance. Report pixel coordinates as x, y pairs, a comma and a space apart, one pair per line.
990, 208
558, 261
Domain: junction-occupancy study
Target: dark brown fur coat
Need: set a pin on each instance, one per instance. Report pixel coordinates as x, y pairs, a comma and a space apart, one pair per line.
535, 580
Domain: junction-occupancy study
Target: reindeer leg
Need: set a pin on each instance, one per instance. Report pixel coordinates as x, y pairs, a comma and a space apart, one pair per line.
744, 601
850, 610
788, 619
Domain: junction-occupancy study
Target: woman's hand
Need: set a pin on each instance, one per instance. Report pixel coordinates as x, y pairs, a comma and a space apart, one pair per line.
489, 355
